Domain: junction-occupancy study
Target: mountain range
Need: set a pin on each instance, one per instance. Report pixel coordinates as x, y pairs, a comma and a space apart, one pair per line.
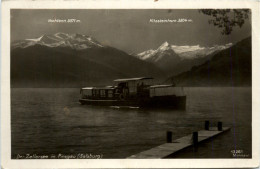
72, 60
229, 67
73, 41
76, 60
177, 59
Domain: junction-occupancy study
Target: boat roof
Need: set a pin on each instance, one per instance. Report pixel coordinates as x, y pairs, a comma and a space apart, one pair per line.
87, 88
104, 87
132, 79
161, 86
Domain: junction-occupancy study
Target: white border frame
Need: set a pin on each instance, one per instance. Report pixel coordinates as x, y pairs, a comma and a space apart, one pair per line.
7, 162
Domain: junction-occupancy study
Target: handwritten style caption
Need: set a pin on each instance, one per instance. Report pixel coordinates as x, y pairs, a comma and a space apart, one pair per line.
60, 156
64, 21
180, 20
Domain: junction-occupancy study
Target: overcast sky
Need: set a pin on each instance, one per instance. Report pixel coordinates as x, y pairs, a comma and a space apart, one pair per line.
128, 30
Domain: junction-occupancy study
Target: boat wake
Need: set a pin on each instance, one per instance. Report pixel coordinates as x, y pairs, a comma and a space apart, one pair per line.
124, 107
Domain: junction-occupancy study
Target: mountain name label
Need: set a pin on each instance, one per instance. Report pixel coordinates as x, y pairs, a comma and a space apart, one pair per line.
64, 20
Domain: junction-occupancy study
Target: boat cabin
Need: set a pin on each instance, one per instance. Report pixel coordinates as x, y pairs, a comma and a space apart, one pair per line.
134, 92
98, 92
124, 89
133, 87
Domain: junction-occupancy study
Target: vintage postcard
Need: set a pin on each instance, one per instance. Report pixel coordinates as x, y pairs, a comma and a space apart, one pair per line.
130, 84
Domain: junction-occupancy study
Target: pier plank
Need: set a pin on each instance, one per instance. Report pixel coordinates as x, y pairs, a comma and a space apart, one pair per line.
167, 149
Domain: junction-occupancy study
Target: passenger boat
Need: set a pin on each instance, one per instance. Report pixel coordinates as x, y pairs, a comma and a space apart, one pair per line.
135, 92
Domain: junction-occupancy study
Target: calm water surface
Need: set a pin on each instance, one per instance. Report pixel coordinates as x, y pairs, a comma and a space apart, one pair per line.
51, 121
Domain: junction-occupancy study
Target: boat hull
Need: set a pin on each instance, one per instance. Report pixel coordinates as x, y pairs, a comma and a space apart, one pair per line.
177, 102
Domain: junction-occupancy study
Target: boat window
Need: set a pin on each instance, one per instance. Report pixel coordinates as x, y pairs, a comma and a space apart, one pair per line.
132, 87
87, 92
110, 93
96, 93
102, 93
122, 84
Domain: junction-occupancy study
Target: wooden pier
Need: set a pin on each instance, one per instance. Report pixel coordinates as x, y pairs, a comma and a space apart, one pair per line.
171, 147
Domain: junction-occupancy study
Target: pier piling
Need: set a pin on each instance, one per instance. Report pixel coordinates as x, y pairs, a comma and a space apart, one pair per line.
207, 125
169, 136
195, 138
219, 126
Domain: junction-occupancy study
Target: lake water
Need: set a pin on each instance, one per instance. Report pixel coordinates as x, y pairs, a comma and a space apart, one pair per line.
47, 121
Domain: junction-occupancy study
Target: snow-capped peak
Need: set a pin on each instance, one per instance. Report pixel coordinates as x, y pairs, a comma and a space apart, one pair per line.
35, 40
189, 52
62, 35
164, 46
184, 52
157, 55
196, 51
146, 54
75, 41
182, 49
